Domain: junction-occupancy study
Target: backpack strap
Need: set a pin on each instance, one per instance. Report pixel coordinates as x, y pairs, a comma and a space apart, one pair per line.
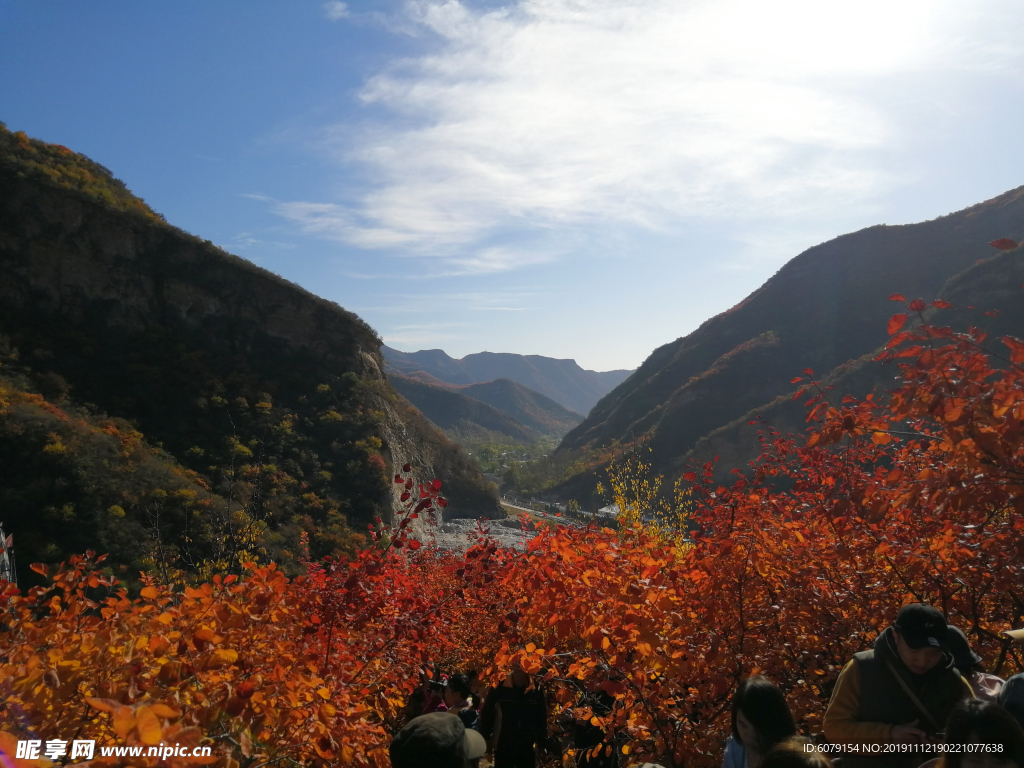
917, 702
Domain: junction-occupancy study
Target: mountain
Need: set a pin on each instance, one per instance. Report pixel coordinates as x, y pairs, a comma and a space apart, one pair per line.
986, 295
561, 380
530, 408
500, 411
272, 401
824, 308
465, 419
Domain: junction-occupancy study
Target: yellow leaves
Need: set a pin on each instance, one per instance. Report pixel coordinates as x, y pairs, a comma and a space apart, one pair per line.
147, 725
225, 656
55, 447
103, 705
124, 721
323, 693
605, 643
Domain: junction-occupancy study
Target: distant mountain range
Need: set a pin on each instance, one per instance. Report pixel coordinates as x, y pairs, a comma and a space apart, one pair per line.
823, 310
561, 380
499, 411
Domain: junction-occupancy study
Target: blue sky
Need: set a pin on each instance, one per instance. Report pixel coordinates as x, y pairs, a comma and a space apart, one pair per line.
586, 179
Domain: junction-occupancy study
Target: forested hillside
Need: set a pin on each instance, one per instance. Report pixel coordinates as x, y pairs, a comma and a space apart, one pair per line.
531, 408
260, 397
499, 412
819, 312
988, 295
465, 419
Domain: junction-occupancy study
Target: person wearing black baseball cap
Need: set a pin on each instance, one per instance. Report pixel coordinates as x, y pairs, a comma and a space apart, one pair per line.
902, 690
436, 740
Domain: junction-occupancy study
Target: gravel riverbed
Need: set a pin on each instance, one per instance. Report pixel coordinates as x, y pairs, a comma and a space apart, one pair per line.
460, 534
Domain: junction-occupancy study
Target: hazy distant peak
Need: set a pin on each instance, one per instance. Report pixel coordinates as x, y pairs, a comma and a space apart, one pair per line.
561, 380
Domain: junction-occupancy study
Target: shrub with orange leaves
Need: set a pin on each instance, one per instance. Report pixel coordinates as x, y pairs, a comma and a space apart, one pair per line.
789, 571
264, 669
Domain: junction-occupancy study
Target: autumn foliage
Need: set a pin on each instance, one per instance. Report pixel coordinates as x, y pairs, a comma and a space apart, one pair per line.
915, 495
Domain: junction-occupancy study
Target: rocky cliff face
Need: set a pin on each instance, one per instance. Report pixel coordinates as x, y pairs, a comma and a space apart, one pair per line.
147, 322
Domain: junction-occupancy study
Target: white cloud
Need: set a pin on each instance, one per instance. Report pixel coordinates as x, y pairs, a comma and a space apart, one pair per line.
467, 301
336, 10
547, 114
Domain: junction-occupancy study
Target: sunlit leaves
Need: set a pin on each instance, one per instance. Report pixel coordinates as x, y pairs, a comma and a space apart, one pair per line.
791, 569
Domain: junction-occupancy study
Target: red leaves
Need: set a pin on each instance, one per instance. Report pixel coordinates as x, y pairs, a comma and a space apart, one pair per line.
917, 305
245, 690
1016, 348
940, 304
896, 322
897, 297
821, 543
1004, 244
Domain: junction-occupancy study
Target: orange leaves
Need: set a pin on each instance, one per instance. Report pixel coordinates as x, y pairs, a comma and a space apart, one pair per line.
790, 571
1016, 347
148, 726
896, 322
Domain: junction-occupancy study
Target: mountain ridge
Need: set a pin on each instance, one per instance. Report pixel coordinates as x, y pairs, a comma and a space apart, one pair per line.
561, 380
272, 396
822, 308
500, 411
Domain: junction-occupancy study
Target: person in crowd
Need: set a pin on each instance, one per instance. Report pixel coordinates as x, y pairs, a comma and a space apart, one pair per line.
1011, 696
436, 740
984, 685
457, 699
415, 705
794, 753
433, 684
514, 721
900, 691
991, 727
760, 720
